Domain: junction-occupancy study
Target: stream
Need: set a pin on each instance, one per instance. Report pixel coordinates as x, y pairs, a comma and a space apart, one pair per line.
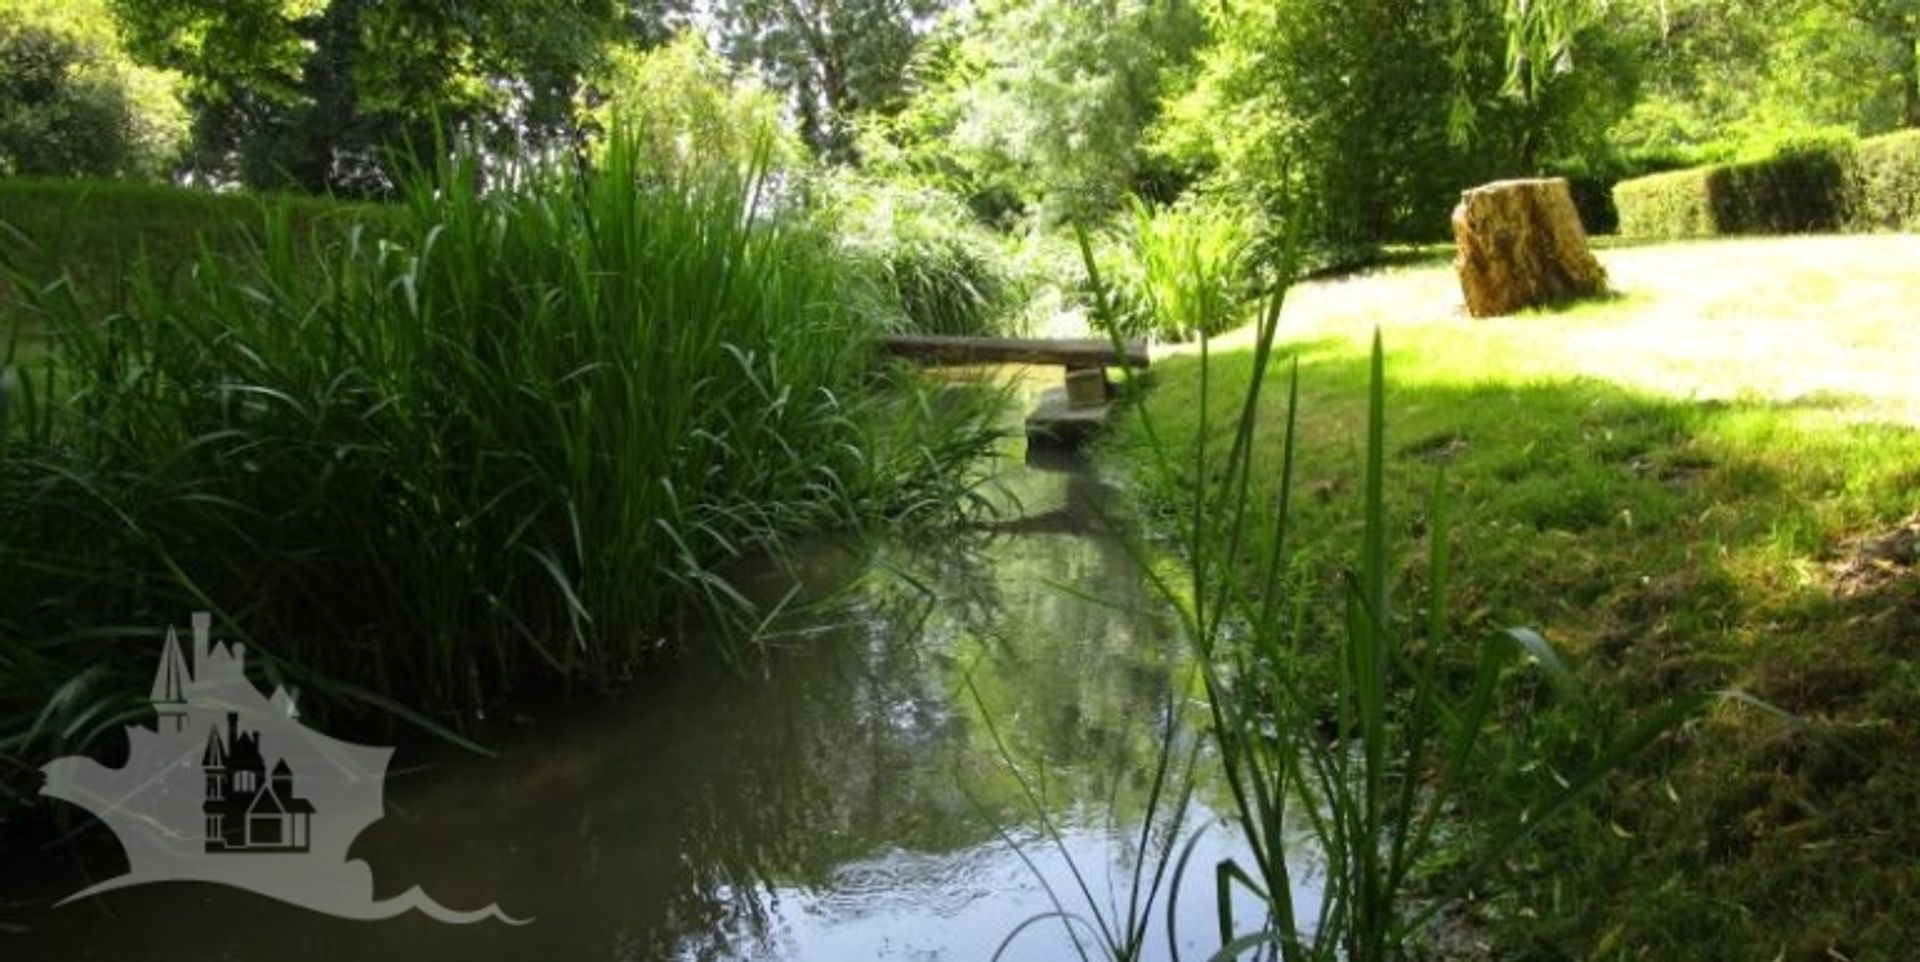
851, 795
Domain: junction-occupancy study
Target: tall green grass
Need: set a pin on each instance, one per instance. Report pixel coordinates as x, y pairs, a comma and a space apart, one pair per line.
510, 438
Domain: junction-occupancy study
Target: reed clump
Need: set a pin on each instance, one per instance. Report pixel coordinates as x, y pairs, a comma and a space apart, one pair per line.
507, 435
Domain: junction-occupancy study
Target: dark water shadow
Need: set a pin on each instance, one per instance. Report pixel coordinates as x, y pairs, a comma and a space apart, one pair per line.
836, 796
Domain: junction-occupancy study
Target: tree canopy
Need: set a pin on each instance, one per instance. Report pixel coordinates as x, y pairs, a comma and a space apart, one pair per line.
1363, 117
73, 102
307, 92
834, 59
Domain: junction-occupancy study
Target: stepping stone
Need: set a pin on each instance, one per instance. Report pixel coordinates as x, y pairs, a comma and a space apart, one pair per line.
1056, 421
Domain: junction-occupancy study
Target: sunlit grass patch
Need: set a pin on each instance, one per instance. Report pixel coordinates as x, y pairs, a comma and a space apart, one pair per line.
1666, 485
1827, 319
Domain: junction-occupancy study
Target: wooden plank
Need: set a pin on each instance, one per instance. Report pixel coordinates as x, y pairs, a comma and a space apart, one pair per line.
937, 350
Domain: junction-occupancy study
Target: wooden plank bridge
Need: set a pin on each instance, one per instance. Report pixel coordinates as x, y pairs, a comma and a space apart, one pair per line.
1065, 415
1070, 353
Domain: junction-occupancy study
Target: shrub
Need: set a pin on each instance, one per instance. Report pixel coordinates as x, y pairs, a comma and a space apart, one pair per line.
1593, 198
946, 273
1796, 192
1819, 185
59, 112
94, 232
1793, 193
69, 106
1045, 270
1673, 204
1592, 183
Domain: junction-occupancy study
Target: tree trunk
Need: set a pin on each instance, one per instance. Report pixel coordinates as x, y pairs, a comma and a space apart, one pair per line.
1520, 245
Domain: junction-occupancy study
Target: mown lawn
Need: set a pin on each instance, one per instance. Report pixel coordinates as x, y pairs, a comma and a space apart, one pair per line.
1711, 481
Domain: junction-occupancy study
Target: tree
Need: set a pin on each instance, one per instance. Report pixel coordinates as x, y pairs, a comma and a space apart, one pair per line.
72, 104
684, 108
1041, 105
1342, 105
833, 59
308, 92
1733, 76
1895, 24
1542, 37
1367, 117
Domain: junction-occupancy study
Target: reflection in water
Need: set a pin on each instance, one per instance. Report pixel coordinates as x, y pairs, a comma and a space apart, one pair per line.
839, 799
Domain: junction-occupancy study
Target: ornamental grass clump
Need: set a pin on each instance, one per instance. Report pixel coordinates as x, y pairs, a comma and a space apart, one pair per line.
1177, 273
945, 269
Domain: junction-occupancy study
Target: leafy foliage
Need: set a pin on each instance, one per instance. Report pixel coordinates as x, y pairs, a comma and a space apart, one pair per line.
944, 270
687, 111
1886, 183
834, 59
1343, 104
310, 92
1739, 76
72, 104
1570, 74
1371, 115
1037, 106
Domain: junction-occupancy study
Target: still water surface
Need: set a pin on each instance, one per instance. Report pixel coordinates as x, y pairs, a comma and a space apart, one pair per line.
843, 798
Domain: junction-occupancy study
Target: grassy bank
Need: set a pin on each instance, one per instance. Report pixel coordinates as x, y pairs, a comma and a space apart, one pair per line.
492, 441
1695, 486
96, 231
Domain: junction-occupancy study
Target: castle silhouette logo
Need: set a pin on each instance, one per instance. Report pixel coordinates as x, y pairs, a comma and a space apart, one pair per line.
230, 788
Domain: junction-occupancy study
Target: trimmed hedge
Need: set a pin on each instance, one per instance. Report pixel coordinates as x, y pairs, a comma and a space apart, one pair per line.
1886, 175
1673, 204
1872, 185
1591, 183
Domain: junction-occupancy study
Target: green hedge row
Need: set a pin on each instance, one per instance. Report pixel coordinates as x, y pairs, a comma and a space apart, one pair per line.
1591, 183
1869, 185
1886, 178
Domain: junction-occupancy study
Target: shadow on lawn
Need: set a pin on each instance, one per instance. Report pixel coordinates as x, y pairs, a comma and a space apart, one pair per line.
1669, 546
